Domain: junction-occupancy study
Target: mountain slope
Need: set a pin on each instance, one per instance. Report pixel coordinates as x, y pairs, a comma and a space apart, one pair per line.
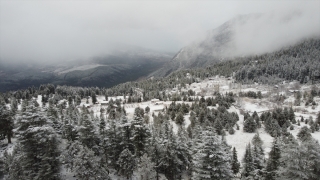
242, 36
105, 71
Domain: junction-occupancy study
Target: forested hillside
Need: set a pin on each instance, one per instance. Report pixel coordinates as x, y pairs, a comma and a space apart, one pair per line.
300, 62
160, 90
65, 132
68, 132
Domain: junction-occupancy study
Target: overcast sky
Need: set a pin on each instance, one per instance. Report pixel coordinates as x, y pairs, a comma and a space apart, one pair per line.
65, 30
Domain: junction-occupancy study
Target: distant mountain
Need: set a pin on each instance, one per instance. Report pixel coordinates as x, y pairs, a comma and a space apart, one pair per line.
244, 35
103, 71
213, 48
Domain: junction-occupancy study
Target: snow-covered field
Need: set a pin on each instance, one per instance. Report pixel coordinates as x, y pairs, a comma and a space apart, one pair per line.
79, 68
240, 139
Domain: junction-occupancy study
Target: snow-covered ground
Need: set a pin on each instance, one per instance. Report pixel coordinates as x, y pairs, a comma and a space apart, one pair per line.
206, 88
79, 68
240, 139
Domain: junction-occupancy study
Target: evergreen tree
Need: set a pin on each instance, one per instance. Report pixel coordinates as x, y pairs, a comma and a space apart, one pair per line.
273, 161
83, 163
102, 126
211, 160
87, 134
13, 168
154, 152
306, 166
113, 143
147, 109
258, 160
94, 97
6, 123
256, 140
217, 126
69, 131
146, 169
169, 162
318, 118
126, 163
39, 147
249, 125
14, 104
291, 115
182, 150
140, 136
235, 165
289, 163
180, 119
125, 134
304, 134
231, 130
272, 127
248, 164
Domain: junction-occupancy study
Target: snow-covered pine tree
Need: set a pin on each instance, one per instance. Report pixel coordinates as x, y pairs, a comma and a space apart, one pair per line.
83, 163
291, 115
154, 152
146, 169
211, 161
125, 134
140, 136
248, 165
102, 125
38, 146
182, 150
235, 165
218, 126
256, 140
258, 161
113, 143
272, 127
312, 152
179, 119
6, 123
274, 161
86, 131
69, 131
304, 134
12, 164
249, 125
291, 167
169, 162
126, 163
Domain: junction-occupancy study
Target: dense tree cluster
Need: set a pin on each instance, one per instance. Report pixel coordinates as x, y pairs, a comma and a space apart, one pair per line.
277, 121
251, 94
300, 62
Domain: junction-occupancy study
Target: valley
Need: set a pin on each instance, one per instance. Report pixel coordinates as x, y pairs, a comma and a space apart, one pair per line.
159, 90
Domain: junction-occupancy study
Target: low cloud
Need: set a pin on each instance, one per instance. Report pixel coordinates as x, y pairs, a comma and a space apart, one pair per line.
55, 31
271, 31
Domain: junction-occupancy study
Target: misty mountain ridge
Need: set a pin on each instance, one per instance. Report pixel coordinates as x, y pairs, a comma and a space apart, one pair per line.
103, 71
244, 35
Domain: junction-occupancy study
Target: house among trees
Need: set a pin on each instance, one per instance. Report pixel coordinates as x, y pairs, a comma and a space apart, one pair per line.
104, 103
293, 91
156, 101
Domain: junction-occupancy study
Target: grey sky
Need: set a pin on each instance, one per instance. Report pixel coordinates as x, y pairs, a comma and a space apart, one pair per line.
64, 30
